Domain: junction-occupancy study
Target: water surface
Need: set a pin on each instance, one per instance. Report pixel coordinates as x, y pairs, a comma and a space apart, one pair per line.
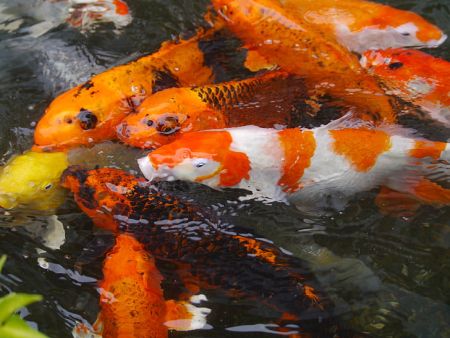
388, 276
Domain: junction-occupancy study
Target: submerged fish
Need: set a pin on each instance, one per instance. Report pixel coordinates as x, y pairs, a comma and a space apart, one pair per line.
208, 253
265, 100
275, 37
360, 25
90, 112
82, 14
31, 180
132, 301
414, 76
317, 167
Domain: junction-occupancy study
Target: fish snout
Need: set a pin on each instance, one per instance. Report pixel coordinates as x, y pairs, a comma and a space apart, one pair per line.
73, 177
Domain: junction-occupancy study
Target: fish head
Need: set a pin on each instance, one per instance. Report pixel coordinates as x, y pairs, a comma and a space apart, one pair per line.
81, 116
205, 157
164, 116
31, 180
84, 14
412, 29
396, 64
101, 192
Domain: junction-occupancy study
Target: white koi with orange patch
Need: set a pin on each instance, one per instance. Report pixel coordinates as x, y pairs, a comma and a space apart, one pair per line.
362, 25
319, 167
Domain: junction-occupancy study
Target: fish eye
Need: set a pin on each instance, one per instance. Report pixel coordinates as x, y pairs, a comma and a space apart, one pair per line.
200, 162
149, 123
87, 119
168, 124
395, 65
48, 186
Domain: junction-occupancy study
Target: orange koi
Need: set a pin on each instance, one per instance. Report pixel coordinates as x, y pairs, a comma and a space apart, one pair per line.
306, 166
191, 237
361, 25
164, 116
414, 76
275, 37
132, 301
90, 112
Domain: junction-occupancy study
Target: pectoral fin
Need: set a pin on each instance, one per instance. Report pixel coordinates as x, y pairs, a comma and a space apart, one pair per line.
256, 62
183, 316
395, 203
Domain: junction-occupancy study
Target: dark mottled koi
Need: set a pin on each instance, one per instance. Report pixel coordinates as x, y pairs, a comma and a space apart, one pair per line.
191, 236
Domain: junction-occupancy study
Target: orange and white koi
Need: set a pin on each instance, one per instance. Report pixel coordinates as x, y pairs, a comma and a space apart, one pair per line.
90, 112
414, 76
263, 100
132, 301
302, 166
82, 14
361, 25
274, 37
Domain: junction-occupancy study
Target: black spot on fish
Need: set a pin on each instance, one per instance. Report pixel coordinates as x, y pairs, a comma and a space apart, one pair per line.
87, 85
87, 119
395, 65
164, 79
406, 34
224, 55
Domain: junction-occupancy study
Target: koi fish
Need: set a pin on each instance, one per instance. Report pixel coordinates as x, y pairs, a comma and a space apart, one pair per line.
306, 167
414, 76
162, 117
90, 112
31, 180
132, 301
362, 25
81, 14
209, 254
275, 37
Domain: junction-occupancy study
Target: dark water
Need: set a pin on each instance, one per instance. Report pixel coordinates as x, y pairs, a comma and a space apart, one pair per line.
388, 276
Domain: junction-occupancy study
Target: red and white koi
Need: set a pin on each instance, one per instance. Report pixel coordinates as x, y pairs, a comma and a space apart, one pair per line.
361, 25
306, 167
414, 76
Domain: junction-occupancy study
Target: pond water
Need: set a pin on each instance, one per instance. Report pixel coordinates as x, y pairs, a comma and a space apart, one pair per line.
387, 276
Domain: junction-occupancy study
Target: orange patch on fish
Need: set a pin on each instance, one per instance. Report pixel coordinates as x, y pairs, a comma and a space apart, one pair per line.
298, 147
254, 248
121, 7
352, 144
311, 294
424, 148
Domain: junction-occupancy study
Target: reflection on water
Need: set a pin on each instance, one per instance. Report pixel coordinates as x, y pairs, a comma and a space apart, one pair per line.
387, 276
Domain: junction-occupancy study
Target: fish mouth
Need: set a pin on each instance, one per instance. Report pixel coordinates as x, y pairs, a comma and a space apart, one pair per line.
146, 168
437, 43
